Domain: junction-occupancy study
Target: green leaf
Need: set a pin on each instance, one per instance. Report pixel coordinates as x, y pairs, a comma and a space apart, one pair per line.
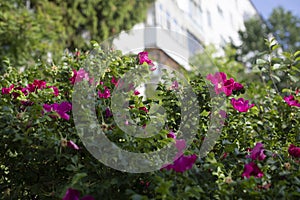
275, 77
287, 91
77, 177
297, 53
293, 78
261, 62
276, 67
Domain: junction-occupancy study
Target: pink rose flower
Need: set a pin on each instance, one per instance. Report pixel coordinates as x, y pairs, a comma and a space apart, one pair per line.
241, 104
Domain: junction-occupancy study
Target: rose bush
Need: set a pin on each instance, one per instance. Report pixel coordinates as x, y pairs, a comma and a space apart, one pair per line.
256, 156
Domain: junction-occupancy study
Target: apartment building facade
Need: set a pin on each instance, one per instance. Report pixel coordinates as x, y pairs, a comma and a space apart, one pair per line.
175, 30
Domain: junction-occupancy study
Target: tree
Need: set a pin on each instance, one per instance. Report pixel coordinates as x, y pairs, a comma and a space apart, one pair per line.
281, 24
286, 28
31, 29
27, 35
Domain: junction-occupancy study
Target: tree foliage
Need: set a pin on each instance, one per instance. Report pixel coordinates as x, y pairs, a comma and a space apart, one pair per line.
31, 29
281, 24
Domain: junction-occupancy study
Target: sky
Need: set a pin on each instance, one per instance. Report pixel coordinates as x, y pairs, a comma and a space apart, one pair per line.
265, 7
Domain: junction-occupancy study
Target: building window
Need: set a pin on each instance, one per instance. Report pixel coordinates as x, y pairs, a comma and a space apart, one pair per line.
159, 15
231, 20
175, 25
168, 20
220, 11
192, 8
194, 44
209, 19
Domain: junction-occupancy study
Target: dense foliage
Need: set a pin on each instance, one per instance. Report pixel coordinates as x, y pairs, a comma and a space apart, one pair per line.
256, 155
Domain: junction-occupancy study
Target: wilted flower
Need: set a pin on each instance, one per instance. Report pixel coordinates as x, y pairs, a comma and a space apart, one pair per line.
252, 169
287, 166
241, 104
228, 180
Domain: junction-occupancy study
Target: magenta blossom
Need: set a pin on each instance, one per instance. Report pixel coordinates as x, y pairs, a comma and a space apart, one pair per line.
228, 86
24, 91
241, 104
114, 81
237, 86
72, 145
252, 169
183, 163
223, 113
153, 68
78, 76
257, 152
143, 57
39, 84
222, 84
144, 109
294, 151
7, 90
30, 87
108, 113
217, 80
105, 94
180, 146
73, 194
27, 103
291, 101
175, 85
61, 109
136, 92
55, 90
171, 134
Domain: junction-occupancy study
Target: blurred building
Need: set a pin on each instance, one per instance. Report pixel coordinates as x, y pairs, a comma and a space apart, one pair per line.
182, 27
